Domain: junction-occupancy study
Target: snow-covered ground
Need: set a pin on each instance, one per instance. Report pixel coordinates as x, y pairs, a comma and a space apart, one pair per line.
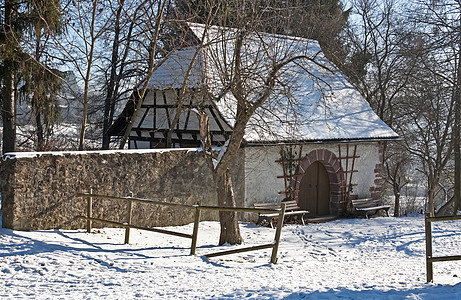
381, 258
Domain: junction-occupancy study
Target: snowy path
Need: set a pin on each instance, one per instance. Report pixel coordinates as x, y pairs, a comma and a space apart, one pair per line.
347, 259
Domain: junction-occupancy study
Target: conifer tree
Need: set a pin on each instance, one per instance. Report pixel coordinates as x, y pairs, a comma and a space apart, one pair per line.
34, 19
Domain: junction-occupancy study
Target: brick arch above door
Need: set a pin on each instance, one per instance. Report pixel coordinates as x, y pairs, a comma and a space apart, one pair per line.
333, 167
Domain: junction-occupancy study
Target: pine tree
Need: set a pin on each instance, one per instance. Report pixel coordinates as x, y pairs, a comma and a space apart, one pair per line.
36, 17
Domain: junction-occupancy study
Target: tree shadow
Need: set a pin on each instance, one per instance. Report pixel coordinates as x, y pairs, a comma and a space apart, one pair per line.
428, 291
24, 245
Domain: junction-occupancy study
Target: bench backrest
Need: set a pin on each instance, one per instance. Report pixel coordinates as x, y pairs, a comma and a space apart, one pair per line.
364, 203
266, 205
290, 205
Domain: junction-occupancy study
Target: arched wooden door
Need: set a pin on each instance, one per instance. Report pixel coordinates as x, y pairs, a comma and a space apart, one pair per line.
314, 193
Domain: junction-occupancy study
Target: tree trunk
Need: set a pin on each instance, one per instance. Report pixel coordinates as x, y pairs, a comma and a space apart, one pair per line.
430, 201
456, 137
90, 57
138, 93
457, 155
397, 201
9, 111
40, 132
9, 76
230, 231
109, 102
84, 120
446, 209
107, 114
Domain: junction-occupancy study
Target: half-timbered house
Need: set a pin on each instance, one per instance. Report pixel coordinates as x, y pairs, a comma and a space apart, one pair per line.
319, 142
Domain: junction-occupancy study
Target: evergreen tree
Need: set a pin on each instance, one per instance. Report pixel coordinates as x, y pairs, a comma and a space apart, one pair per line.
10, 55
33, 19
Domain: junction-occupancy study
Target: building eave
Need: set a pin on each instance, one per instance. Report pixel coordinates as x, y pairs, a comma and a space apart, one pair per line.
324, 141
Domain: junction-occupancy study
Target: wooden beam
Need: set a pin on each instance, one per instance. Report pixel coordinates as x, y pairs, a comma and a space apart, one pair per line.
240, 250
174, 106
447, 218
164, 130
444, 258
193, 246
212, 208
278, 233
179, 234
89, 210
144, 115
129, 216
428, 232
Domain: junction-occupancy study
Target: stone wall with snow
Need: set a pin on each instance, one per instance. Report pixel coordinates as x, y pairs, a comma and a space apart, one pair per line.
38, 189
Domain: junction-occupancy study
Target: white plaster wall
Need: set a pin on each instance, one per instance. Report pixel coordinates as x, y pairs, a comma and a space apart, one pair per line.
261, 170
365, 177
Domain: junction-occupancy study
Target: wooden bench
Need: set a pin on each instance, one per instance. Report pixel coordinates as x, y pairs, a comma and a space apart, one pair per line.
369, 206
291, 209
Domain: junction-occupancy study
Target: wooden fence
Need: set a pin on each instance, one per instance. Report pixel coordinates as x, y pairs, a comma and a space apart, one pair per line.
429, 258
198, 208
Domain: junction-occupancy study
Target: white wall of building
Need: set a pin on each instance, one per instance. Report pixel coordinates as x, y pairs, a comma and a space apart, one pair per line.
261, 169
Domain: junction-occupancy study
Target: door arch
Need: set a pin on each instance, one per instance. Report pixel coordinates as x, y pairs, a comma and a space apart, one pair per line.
314, 191
332, 166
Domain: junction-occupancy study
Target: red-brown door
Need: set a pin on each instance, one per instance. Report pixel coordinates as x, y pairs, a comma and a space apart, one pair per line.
314, 194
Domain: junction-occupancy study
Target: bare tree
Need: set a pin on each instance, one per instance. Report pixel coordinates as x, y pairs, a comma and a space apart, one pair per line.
124, 63
426, 127
87, 22
397, 165
439, 26
380, 39
252, 74
155, 10
385, 53
113, 81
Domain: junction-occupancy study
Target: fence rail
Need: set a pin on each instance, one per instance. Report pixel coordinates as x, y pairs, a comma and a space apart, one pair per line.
198, 208
429, 258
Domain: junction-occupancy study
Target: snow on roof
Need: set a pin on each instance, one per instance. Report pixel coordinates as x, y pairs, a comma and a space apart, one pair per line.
311, 101
172, 73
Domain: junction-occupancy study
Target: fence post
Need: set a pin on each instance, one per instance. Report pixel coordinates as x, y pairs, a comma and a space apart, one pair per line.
89, 211
195, 232
278, 233
127, 229
428, 229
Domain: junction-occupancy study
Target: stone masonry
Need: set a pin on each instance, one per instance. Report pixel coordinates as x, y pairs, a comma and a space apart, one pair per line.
38, 191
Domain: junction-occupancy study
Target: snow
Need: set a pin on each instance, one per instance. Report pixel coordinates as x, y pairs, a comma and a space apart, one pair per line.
324, 104
221, 150
14, 155
172, 72
311, 101
381, 258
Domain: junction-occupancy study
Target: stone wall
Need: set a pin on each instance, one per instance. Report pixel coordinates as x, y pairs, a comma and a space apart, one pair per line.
38, 189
